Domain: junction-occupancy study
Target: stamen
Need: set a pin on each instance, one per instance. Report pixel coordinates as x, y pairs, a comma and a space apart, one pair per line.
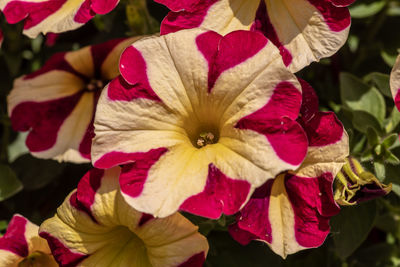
95, 85
205, 138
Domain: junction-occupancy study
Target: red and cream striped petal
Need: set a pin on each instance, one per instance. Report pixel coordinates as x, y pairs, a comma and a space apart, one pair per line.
21, 243
96, 227
292, 212
56, 103
43, 16
304, 30
233, 86
395, 82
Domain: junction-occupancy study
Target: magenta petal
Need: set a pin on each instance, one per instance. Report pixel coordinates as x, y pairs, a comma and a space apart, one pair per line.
234, 48
194, 261
134, 175
276, 121
323, 129
220, 195
241, 236
313, 205
87, 188
103, 6
14, 239
397, 99
63, 256
29, 116
32, 12
119, 89
254, 217
341, 3
187, 15
133, 67
337, 18
90, 8
309, 105
263, 24
188, 5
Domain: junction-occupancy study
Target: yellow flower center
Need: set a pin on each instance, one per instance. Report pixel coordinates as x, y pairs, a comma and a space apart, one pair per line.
122, 241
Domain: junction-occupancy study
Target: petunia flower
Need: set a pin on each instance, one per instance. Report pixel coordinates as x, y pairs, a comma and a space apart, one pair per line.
395, 82
56, 103
96, 227
292, 212
304, 30
355, 185
21, 245
198, 121
43, 16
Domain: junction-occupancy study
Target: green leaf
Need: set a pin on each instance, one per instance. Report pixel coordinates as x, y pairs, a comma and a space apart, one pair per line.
367, 156
36, 173
351, 227
396, 189
224, 251
390, 140
387, 222
9, 183
391, 158
364, 10
18, 147
392, 121
389, 57
380, 81
378, 150
380, 170
3, 225
359, 96
393, 10
375, 255
372, 135
362, 121
359, 146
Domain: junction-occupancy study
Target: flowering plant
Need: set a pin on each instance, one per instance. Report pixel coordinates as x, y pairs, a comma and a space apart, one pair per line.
199, 133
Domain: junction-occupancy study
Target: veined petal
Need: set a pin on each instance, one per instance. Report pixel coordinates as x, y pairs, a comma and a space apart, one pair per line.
178, 63
147, 125
94, 225
43, 16
395, 82
328, 140
292, 212
68, 132
304, 30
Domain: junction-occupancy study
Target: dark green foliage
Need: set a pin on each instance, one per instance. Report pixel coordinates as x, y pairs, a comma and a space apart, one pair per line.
354, 83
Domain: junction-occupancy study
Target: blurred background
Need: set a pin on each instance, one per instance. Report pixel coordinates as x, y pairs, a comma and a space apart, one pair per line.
354, 83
